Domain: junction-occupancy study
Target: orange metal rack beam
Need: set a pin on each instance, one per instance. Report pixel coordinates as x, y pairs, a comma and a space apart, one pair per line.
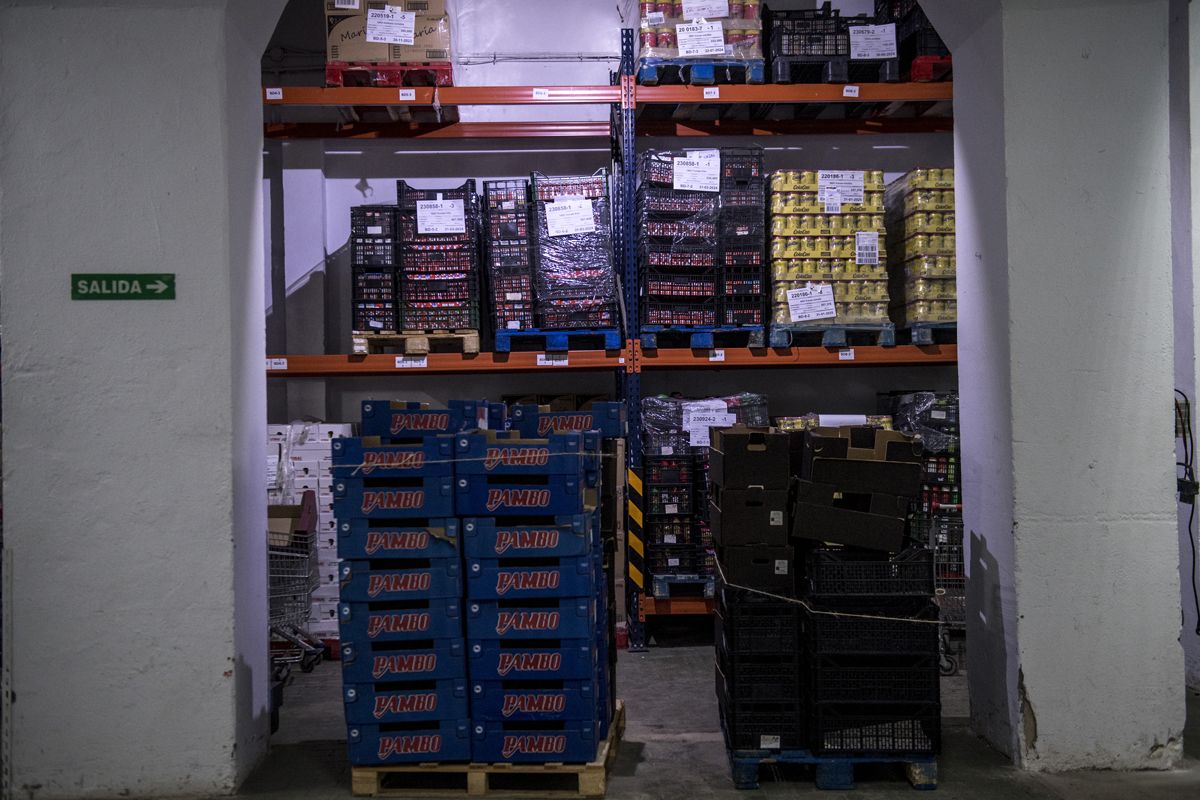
331, 366
649, 605
740, 357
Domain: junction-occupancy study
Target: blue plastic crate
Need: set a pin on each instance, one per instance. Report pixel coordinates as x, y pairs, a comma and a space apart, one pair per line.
411, 701
567, 742
607, 417
411, 619
414, 660
503, 580
484, 495
533, 700
360, 582
488, 537
510, 453
418, 538
409, 742
370, 457
552, 660
353, 498
405, 420
562, 618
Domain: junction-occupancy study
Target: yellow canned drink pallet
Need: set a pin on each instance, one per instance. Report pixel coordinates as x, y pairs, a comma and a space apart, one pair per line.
808, 269
798, 180
929, 244
929, 200
930, 289
849, 291
930, 267
931, 311
810, 203
818, 247
927, 178
826, 224
927, 222
847, 314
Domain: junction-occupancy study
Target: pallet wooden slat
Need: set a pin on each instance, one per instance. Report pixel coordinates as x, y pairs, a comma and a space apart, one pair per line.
417, 343
475, 780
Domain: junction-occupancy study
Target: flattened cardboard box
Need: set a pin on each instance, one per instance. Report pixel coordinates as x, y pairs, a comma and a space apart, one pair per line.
742, 457
861, 460
871, 521
749, 516
346, 40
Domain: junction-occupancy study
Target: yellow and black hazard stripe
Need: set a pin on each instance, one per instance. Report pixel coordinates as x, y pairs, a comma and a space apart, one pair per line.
635, 568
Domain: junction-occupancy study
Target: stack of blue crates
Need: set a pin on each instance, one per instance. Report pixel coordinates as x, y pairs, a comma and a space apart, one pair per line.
404, 676
537, 627
437, 504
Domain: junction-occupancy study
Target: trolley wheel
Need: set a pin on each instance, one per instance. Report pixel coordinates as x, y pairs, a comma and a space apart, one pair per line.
947, 665
310, 660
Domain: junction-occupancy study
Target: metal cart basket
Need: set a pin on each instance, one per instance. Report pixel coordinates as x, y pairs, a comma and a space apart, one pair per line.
291, 578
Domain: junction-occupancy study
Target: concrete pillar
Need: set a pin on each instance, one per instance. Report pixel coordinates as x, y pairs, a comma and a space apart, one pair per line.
135, 660
1064, 258
1187, 337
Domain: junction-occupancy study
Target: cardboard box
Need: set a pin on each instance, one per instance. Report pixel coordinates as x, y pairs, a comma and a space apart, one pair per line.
856, 443
346, 37
754, 516
769, 569
286, 523
742, 457
432, 8
873, 521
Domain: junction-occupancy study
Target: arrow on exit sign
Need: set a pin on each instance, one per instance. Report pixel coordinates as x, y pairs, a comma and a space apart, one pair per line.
123, 286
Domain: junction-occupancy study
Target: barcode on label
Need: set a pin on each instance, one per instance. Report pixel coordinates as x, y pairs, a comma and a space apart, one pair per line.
866, 247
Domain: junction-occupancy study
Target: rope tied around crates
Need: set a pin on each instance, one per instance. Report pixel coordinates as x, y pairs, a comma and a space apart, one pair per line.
811, 610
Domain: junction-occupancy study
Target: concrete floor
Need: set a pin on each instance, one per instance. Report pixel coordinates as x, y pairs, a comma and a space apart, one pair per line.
673, 747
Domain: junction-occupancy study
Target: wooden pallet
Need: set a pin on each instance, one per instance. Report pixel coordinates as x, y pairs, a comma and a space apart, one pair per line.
494, 780
417, 343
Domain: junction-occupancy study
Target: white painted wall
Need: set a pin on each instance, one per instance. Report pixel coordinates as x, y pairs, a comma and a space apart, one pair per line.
133, 476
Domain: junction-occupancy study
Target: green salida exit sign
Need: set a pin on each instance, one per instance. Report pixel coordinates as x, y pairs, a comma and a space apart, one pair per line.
123, 286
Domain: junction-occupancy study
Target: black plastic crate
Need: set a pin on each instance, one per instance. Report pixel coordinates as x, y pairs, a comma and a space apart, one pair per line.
875, 679
408, 196
785, 683
876, 729
676, 229
665, 470
445, 287
736, 252
373, 221
666, 444
426, 259
749, 196
874, 629
743, 311
744, 222
691, 285
373, 317
680, 255
372, 285
516, 287
670, 559
407, 225
567, 314
668, 500
548, 187
372, 251
448, 315
684, 531
655, 200
657, 167
755, 724
816, 32
893, 10
692, 313
742, 281
756, 624
864, 573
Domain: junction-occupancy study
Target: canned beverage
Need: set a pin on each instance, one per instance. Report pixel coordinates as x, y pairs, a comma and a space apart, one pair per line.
750, 39
677, 9
875, 176
735, 38
736, 7
649, 38
667, 9
666, 37
935, 219
646, 9
751, 9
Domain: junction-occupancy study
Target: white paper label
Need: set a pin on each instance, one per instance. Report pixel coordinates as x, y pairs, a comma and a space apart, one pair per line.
814, 301
655, 18
697, 174
374, 230
374, 323
846, 355
672, 562
776, 518
541, 94
552, 359
866, 247
873, 41
848, 183
274, 94
671, 508
700, 39
666, 451
932, 414
849, 91
277, 363
408, 94
699, 416
669, 538
768, 742
705, 9
712, 93
568, 216
390, 25
513, 325
702, 154
833, 201
412, 362
513, 296
440, 216
716, 355
781, 566
840, 420
347, 5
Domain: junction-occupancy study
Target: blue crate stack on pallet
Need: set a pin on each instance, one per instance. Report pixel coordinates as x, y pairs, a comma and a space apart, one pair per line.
537, 616
403, 653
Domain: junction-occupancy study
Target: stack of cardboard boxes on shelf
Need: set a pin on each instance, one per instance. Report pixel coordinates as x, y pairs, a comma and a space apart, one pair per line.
299, 460
477, 587
849, 667
380, 49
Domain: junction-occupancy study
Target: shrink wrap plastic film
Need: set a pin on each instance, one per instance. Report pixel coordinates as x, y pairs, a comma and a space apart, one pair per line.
741, 31
912, 416
575, 280
662, 417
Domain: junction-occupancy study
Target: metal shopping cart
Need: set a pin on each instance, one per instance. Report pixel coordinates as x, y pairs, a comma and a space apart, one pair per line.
945, 535
291, 578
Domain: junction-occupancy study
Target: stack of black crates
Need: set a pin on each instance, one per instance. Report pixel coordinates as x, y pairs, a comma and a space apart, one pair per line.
438, 273
576, 286
813, 46
923, 54
827, 636
509, 254
373, 269
701, 254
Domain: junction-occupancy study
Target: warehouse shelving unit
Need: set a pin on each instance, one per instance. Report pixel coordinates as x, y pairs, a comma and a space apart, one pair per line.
682, 111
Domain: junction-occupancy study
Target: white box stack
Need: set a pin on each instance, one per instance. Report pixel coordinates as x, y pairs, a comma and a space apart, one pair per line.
299, 459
